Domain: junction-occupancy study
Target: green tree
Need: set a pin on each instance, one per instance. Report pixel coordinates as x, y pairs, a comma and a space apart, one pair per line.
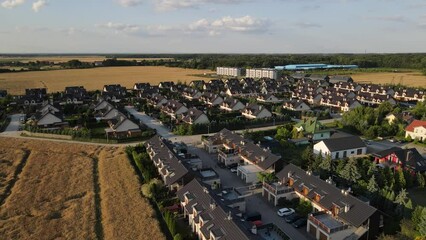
416, 215
266, 177
400, 200
307, 157
372, 186
420, 180
399, 179
318, 161
350, 171
326, 163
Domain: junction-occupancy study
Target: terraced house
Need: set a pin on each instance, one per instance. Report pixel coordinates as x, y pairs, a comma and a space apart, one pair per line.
336, 213
212, 218
234, 149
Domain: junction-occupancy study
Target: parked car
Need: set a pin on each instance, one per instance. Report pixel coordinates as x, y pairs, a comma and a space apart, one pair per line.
292, 218
254, 216
300, 222
233, 165
285, 212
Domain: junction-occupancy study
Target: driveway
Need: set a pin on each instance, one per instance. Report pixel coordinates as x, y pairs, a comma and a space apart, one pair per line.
151, 122
254, 202
269, 215
14, 124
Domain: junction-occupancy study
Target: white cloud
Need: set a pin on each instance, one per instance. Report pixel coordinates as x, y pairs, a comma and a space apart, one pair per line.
129, 3
203, 26
242, 24
38, 5
12, 3
178, 4
120, 27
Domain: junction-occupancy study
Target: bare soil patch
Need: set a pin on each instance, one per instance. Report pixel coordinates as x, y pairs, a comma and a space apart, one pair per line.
411, 79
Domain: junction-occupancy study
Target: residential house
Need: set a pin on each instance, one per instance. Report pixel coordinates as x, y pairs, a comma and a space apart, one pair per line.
102, 104
195, 116
141, 86
341, 147
254, 111
122, 127
114, 92
296, 105
268, 98
416, 130
211, 99
211, 215
392, 118
171, 169
320, 78
197, 84
74, 95
191, 94
336, 213
214, 86
396, 158
34, 96
166, 85
156, 100
372, 99
231, 104
410, 94
49, 116
234, 149
338, 79
173, 108
313, 129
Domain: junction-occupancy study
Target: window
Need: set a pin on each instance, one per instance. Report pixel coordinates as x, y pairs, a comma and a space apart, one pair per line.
337, 154
352, 152
359, 151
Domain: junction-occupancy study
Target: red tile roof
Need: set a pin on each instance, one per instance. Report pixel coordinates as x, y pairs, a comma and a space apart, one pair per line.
415, 123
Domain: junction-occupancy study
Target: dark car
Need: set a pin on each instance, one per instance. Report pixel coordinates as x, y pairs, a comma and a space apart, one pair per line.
254, 216
292, 218
233, 165
300, 222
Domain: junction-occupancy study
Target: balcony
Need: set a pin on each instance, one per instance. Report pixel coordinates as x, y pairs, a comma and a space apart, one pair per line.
227, 153
327, 223
277, 188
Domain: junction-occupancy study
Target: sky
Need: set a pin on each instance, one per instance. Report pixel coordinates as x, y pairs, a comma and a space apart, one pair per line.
212, 26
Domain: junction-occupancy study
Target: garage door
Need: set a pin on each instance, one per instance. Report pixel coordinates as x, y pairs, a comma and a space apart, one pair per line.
323, 236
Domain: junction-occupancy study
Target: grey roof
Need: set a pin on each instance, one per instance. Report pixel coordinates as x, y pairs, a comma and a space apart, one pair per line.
231, 102
257, 155
192, 115
254, 109
339, 144
358, 212
409, 157
213, 213
336, 79
165, 154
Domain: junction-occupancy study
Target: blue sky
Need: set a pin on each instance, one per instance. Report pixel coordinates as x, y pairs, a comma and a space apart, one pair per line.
212, 26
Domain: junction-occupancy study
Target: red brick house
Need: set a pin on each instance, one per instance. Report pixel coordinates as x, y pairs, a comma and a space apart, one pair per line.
408, 159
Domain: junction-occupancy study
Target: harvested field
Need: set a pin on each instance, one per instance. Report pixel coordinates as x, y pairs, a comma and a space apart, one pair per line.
64, 192
94, 78
412, 79
125, 214
9, 161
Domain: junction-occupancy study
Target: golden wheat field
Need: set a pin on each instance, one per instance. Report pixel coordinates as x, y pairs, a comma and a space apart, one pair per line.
60, 59
94, 78
71, 191
412, 79
125, 214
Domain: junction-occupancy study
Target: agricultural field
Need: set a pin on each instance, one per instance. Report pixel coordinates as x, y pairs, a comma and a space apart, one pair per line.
61, 59
125, 214
411, 79
95, 78
58, 191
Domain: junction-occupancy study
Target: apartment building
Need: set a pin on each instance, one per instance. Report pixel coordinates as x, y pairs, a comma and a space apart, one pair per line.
229, 71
